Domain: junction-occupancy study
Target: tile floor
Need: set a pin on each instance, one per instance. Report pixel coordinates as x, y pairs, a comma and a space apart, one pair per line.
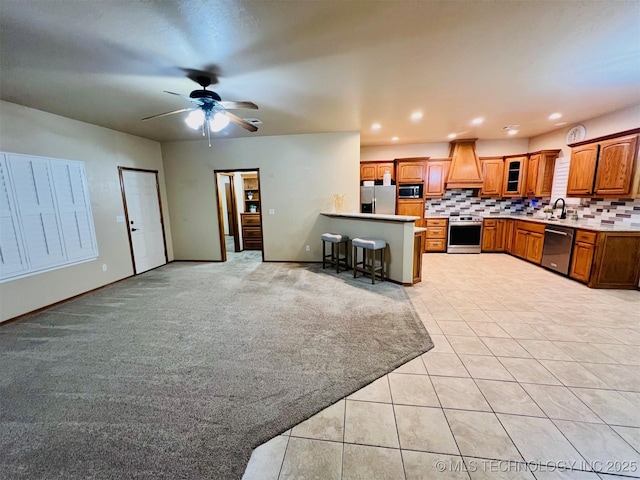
533, 376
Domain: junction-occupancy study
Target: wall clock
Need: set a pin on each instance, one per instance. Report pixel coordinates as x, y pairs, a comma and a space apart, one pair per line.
576, 134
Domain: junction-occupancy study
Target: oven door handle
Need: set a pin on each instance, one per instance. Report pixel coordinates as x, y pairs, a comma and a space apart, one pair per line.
465, 224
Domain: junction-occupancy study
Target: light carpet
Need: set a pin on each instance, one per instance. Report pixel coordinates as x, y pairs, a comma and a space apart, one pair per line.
181, 371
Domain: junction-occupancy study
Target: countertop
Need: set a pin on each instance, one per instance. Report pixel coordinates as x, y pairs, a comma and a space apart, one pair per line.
372, 216
419, 229
581, 224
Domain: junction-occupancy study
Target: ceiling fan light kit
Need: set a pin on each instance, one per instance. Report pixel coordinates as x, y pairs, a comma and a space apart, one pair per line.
210, 113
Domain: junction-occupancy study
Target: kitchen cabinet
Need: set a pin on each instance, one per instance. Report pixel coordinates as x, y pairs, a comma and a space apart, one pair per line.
508, 235
436, 171
493, 235
528, 241
375, 170
616, 262
412, 207
436, 235
418, 242
604, 167
582, 257
540, 170
493, 173
513, 179
410, 170
251, 231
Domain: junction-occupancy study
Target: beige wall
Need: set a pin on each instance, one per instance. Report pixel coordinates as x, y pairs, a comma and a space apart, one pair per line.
614, 122
484, 148
298, 176
32, 132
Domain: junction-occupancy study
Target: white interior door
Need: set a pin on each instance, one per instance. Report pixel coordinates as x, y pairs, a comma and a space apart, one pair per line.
145, 224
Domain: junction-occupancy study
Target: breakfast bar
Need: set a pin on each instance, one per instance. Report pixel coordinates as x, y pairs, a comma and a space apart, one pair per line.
397, 230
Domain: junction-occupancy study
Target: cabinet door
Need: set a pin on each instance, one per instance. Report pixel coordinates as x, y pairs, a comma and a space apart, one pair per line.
383, 167
489, 238
581, 261
411, 172
615, 166
514, 169
368, 171
435, 178
418, 242
532, 175
535, 241
508, 236
582, 170
492, 173
500, 235
520, 243
413, 208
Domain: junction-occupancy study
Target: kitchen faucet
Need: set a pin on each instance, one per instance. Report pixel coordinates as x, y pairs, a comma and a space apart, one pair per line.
564, 207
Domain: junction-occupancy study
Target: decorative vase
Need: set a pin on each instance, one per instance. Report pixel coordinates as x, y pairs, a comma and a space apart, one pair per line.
338, 201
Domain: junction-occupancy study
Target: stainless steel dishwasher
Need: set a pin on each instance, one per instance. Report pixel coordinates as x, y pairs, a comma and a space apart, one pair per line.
556, 251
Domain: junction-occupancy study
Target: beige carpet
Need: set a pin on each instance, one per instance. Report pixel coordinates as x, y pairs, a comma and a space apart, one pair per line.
181, 371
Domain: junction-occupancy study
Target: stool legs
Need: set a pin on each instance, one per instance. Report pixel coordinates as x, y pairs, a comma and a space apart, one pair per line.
334, 257
369, 269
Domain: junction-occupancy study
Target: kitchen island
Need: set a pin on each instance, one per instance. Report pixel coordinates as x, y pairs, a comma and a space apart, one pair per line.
397, 230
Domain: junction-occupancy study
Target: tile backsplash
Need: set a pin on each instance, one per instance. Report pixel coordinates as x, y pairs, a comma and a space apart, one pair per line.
594, 210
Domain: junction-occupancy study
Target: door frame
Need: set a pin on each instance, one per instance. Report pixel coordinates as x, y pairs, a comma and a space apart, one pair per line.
126, 212
223, 248
233, 226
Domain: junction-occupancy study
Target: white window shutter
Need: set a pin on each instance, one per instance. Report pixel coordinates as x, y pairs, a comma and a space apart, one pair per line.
12, 257
560, 180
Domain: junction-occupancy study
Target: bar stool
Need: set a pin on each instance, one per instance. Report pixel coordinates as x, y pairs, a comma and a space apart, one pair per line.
334, 258
372, 245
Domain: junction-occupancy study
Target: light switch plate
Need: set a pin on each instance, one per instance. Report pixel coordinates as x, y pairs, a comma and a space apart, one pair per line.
120, 218
272, 211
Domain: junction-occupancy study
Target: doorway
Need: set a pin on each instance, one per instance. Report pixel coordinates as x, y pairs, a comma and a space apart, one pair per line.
143, 215
239, 214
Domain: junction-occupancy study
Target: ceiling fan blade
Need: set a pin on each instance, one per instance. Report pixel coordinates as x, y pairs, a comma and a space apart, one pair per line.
236, 105
167, 113
238, 121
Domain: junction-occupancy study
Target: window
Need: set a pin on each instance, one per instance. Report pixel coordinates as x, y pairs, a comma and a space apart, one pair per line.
45, 215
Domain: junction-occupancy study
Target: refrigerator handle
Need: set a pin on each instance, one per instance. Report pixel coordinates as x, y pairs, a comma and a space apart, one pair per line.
374, 204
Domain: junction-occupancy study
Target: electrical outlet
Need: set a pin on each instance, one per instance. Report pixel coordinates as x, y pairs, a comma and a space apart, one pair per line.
120, 218
308, 248
104, 267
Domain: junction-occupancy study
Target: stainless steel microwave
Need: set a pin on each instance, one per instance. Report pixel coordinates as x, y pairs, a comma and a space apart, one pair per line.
409, 191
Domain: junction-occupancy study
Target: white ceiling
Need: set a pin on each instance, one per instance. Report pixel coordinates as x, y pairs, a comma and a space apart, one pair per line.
326, 66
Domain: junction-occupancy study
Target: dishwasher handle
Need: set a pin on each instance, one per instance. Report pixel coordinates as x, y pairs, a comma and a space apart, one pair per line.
558, 232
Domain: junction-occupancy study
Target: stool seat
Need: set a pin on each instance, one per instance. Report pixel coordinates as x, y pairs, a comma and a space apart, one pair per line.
368, 243
334, 237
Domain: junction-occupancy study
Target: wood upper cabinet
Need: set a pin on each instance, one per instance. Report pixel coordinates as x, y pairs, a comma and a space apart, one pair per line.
493, 173
411, 207
435, 177
615, 166
604, 168
410, 170
375, 170
540, 173
582, 170
514, 175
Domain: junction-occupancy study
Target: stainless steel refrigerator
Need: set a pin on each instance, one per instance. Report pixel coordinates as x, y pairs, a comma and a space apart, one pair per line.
379, 199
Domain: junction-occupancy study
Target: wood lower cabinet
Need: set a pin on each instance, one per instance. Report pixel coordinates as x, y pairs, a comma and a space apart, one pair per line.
616, 262
251, 231
584, 247
436, 235
493, 235
508, 235
528, 241
418, 248
493, 174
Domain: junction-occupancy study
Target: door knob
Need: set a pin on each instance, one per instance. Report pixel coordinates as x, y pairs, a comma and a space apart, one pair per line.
134, 229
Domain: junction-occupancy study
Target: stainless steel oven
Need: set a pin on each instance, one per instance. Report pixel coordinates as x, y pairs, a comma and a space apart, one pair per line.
465, 234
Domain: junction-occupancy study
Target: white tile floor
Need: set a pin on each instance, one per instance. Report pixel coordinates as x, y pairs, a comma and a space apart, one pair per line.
533, 376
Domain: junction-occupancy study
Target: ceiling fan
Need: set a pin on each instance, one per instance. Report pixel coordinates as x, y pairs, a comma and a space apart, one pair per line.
209, 113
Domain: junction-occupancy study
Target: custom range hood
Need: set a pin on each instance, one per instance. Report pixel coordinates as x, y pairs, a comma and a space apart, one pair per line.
465, 170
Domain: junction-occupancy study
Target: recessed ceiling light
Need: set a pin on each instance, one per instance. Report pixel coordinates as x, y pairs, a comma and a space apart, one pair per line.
555, 116
512, 132
477, 121
416, 115
559, 124
376, 126
452, 135
394, 139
